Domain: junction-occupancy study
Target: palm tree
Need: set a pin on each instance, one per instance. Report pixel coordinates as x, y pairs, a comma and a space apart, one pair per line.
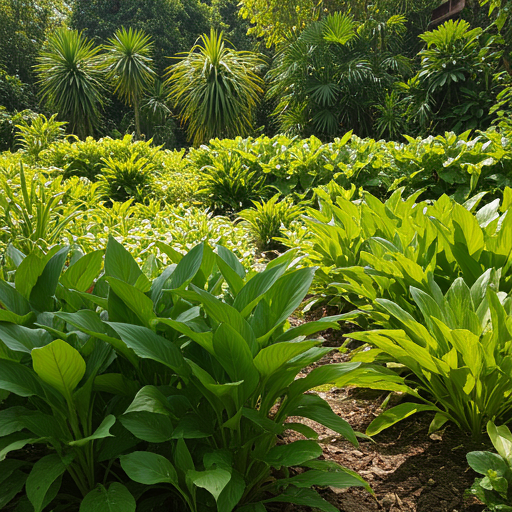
215, 88
330, 77
70, 77
128, 63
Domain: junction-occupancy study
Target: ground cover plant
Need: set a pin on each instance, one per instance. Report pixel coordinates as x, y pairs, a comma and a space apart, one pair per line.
494, 488
113, 374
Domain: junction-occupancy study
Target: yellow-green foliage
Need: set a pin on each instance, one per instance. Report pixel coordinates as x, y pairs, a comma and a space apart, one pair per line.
170, 182
140, 227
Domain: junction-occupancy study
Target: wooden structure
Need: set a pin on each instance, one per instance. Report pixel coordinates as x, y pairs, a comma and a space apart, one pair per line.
447, 11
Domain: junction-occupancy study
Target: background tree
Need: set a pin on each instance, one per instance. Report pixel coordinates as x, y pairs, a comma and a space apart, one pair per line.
276, 20
24, 27
329, 79
128, 61
70, 78
172, 25
215, 88
456, 85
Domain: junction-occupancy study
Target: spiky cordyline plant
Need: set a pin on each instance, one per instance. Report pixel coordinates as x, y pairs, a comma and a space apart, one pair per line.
215, 88
128, 63
70, 76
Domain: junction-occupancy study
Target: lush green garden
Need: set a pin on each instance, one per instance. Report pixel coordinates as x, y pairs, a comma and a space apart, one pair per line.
277, 277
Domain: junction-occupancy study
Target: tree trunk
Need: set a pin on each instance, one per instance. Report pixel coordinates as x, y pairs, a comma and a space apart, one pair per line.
137, 117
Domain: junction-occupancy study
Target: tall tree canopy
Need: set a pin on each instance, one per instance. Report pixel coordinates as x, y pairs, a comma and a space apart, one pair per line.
24, 26
275, 20
173, 25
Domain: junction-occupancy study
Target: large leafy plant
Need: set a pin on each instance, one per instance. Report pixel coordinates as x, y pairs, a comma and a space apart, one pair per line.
458, 354
188, 385
368, 248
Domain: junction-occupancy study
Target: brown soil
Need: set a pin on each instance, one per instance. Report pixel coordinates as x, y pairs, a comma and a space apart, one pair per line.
408, 470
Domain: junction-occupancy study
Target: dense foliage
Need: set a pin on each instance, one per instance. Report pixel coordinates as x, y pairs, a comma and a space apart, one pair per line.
161, 381
148, 355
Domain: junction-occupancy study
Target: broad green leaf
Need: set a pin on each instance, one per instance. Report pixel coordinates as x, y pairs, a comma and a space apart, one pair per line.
150, 399
28, 273
482, 462
293, 454
270, 359
204, 339
137, 301
182, 458
41, 295
316, 409
59, 365
328, 322
187, 268
13, 318
501, 439
305, 497
213, 480
253, 290
115, 384
303, 429
331, 466
235, 282
234, 355
101, 432
148, 416
158, 284
150, 427
12, 482
148, 468
437, 423
374, 377
14, 255
116, 499
338, 479
81, 275
264, 422
119, 263
230, 258
14, 419
19, 379
232, 493
90, 323
192, 426
44, 472
219, 390
23, 339
224, 313
146, 344
9, 466
11, 420
326, 374
14, 442
174, 255
281, 301
396, 414
12, 300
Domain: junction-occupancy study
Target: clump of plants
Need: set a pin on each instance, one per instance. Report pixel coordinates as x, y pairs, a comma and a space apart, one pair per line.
266, 220
181, 383
122, 180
